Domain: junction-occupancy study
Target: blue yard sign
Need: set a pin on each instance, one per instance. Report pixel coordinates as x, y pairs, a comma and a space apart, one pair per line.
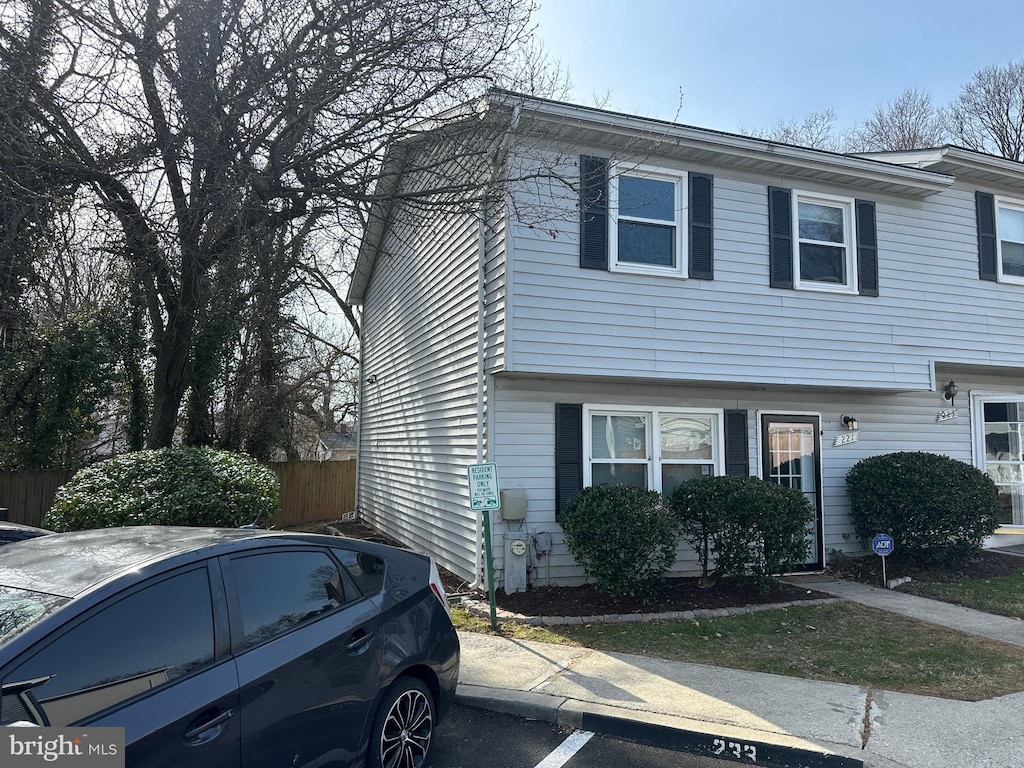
882, 544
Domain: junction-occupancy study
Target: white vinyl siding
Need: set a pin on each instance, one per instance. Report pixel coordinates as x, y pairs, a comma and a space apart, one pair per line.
419, 400
736, 329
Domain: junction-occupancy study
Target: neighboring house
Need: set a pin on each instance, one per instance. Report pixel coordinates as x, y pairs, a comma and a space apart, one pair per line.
678, 302
339, 445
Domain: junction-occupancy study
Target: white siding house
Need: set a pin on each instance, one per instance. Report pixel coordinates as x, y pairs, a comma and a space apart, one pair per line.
674, 302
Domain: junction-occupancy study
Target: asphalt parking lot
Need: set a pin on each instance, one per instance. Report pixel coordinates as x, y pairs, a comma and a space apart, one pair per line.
476, 738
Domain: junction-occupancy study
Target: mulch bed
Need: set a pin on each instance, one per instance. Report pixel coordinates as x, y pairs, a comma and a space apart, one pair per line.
676, 594
681, 594
868, 569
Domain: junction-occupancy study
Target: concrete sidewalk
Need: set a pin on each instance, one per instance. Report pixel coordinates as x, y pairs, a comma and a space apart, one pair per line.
780, 721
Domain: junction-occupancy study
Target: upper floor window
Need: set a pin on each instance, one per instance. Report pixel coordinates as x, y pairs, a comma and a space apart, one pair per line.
646, 208
1010, 229
820, 242
825, 248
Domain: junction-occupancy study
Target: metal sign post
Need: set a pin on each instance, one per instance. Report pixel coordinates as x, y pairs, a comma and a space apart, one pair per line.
484, 497
882, 544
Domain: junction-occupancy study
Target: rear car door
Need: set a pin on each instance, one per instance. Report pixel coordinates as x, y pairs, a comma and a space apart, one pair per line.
308, 652
146, 659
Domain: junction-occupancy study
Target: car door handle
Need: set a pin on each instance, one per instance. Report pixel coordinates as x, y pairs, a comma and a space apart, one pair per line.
359, 640
202, 732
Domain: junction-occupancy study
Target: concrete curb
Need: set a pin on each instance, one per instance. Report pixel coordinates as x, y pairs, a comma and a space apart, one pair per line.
481, 609
654, 729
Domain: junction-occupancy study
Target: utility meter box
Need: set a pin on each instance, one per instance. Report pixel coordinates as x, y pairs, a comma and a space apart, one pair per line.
513, 504
517, 559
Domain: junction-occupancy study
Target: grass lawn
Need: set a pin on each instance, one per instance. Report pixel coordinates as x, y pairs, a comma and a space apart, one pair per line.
1003, 594
840, 642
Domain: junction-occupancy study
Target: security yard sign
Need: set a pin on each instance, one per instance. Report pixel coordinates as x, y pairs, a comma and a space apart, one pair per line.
883, 546
483, 487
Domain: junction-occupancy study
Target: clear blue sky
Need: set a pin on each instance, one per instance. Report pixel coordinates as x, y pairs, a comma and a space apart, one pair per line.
751, 63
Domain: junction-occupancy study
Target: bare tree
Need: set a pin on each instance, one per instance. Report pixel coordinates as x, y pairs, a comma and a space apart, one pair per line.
910, 121
206, 125
816, 131
988, 114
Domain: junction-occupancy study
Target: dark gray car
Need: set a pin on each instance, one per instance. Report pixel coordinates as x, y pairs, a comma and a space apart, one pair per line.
228, 648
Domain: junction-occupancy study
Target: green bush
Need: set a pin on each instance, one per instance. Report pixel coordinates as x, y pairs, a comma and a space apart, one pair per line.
172, 486
622, 536
938, 510
743, 525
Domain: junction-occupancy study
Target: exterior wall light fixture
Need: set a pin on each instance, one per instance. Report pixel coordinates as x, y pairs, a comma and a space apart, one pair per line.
850, 422
949, 392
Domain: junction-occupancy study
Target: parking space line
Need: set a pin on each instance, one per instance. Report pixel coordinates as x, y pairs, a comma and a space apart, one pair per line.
573, 744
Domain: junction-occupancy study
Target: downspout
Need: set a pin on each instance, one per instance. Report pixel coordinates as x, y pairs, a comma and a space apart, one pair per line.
481, 337
481, 352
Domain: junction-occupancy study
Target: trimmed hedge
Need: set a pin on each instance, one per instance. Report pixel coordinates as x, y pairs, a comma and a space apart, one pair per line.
622, 536
743, 525
938, 510
171, 486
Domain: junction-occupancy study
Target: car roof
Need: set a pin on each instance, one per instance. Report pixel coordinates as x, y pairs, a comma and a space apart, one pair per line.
67, 564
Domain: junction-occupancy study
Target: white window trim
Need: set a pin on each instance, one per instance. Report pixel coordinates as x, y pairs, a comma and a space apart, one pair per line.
679, 180
978, 400
653, 414
849, 240
1017, 205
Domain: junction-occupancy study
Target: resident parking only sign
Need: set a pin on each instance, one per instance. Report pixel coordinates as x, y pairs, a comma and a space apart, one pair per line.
483, 487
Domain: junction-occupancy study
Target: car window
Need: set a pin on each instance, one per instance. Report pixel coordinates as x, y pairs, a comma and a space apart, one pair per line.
143, 641
278, 591
366, 570
20, 609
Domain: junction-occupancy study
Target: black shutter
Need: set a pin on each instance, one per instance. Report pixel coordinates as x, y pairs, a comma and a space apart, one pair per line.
568, 453
985, 205
736, 453
702, 226
780, 238
867, 248
593, 212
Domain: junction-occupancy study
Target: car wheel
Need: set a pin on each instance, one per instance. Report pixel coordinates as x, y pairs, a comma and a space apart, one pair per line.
403, 726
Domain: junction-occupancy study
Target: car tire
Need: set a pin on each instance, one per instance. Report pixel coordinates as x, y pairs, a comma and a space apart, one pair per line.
403, 726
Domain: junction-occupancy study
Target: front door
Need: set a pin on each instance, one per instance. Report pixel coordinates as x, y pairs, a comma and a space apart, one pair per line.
791, 456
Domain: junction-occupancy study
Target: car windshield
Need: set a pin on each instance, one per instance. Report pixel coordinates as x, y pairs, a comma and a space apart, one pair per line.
21, 608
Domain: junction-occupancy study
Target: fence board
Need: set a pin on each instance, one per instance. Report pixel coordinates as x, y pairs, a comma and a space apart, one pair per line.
311, 491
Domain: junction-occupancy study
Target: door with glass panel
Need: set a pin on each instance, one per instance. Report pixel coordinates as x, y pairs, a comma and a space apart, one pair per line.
791, 456
1004, 456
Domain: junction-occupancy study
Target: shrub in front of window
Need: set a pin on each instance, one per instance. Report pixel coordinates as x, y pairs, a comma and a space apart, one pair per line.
622, 536
170, 486
938, 510
743, 526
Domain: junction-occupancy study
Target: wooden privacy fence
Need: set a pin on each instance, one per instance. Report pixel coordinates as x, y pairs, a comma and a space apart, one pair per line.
311, 491
27, 495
